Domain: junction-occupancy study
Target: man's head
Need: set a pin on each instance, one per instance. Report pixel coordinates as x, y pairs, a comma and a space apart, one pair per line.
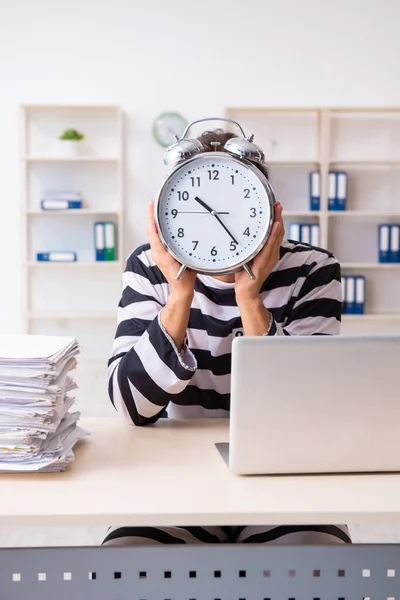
215, 140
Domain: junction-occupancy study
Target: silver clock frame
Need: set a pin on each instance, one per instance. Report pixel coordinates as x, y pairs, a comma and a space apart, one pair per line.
244, 263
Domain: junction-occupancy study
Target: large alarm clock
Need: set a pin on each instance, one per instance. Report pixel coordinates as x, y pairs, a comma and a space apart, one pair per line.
215, 209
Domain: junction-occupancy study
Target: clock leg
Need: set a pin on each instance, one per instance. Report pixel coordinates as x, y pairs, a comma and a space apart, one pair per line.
249, 271
181, 270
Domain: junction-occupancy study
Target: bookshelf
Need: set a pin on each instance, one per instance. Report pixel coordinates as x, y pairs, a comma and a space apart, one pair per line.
364, 142
73, 298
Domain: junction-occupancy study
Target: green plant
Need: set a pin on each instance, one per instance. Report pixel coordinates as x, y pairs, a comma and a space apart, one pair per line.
72, 134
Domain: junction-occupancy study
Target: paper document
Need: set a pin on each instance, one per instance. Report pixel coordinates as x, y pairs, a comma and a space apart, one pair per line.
37, 431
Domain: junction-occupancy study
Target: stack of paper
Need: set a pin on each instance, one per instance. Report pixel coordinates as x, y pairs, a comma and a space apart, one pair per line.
37, 433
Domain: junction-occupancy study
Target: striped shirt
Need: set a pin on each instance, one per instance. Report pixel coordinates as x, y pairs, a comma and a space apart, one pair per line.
148, 377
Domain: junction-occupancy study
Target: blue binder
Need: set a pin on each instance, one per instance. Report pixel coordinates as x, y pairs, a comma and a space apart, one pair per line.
394, 246
305, 233
99, 240
343, 281
341, 190
60, 204
332, 190
315, 235
295, 232
56, 256
315, 190
384, 243
350, 295
359, 295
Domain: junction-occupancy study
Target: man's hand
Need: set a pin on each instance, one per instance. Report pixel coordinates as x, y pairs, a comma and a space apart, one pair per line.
247, 289
175, 314
256, 319
169, 267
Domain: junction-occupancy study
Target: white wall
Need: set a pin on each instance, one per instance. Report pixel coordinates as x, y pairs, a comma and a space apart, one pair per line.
194, 57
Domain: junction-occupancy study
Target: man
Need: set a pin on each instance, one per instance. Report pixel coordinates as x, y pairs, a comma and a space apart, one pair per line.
172, 351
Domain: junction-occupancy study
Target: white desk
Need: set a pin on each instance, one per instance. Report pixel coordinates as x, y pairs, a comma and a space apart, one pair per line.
172, 474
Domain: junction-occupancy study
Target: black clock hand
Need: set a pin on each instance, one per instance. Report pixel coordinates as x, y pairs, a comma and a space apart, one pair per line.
225, 227
210, 210
215, 214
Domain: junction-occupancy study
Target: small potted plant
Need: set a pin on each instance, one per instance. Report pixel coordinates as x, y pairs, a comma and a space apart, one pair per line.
70, 141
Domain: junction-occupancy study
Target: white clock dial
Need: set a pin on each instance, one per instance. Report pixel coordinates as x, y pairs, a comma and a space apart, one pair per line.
214, 212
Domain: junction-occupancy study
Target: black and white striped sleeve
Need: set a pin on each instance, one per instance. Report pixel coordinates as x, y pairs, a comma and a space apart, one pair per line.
145, 367
316, 309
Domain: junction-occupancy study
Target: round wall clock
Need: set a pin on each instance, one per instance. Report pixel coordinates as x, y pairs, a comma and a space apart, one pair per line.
168, 127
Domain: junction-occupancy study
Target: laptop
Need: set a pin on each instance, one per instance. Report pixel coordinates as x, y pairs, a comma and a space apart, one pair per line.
316, 404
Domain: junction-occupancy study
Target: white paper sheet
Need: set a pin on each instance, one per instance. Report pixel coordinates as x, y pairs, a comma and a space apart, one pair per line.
37, 431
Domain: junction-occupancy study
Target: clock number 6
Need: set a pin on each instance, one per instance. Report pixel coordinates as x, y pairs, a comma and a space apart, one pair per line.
214, 251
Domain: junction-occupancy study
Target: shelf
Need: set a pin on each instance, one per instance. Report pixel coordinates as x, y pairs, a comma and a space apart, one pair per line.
301, 213
365, 113
100, 159
73, 212
369, 265
364, 164
97, 107
71, 315
364, 142
74, 264
291, 163
372, 317
361, 213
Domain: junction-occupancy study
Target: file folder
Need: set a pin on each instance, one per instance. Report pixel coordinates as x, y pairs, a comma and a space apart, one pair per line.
394, 246
315, 190
343, 281
315, 235
341, 190
109, 241
332, 190
56, 256
305, 234
359, 295
60, 204
350, 295
384, 243
99, 240
294, 232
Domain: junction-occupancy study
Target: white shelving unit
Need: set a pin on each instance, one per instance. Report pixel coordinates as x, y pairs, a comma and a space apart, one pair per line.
77, 298
366, 144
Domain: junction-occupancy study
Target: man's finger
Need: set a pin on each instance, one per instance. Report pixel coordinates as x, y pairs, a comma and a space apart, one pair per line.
275, 231
277, 211
152, 232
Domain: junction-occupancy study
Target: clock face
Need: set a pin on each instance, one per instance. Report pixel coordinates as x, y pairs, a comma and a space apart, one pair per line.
168, 125
215, 212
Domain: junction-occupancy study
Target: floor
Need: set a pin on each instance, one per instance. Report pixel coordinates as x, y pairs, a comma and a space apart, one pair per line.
92, 536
